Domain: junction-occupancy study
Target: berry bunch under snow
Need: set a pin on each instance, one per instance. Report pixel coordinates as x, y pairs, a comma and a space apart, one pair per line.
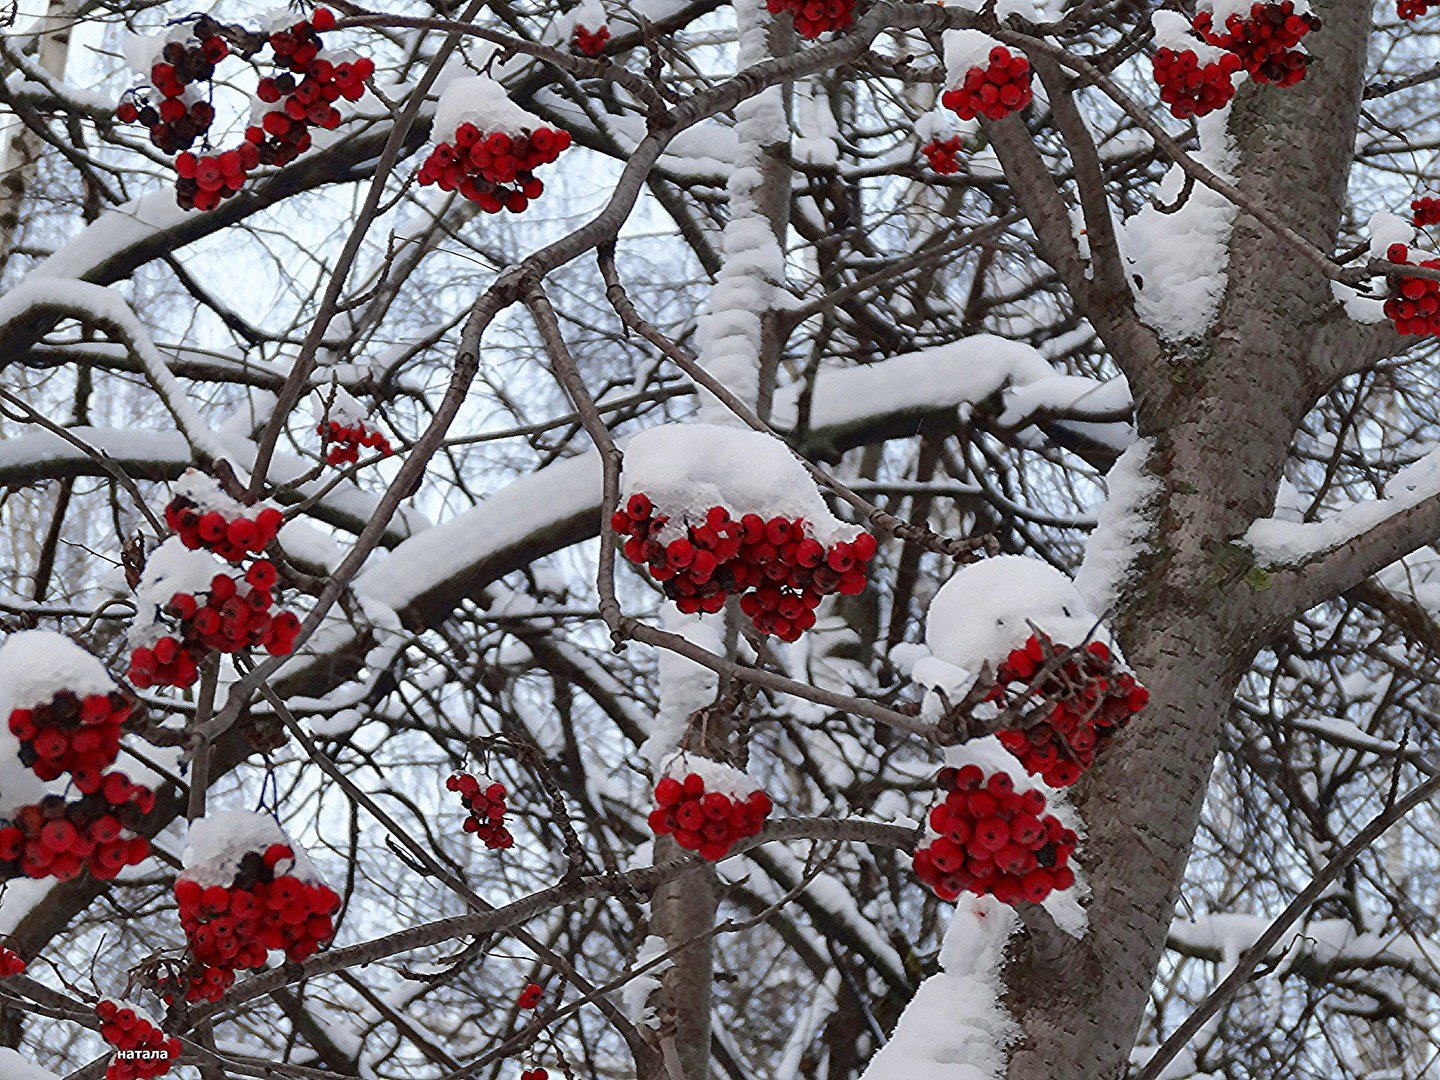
343, 441
1414, 302
943, 155
205, 518
1083, 698
1426, 210
489, 147
707, 806
485, 799
1194, 78
96, 833
171, 108
143, 1049
246, 891
69, 733
815, 17
988, 838
1266, 38
991, 81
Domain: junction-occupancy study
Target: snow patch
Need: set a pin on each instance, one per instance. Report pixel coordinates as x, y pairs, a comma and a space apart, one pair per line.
479, 100
1123, 523
216, 844
635, 995
37, 664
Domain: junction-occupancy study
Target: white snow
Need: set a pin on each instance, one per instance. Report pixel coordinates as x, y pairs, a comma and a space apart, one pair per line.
15, 1067
37, 664
684, 685
965, 49
479, 100
1123, 523
726, 779
955, 1027
635, 995
1384, 229
216, 844
205, 492
171, 568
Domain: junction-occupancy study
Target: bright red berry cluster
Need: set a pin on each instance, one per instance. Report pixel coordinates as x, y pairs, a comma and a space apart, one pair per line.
1190, 88
990, 839
233, 540
233, 928
943, 155
589, 42
58, 839
144, 1050
530, 996
779, 572
11, 963
815, 17
1265, 40
706, 822
1414, 303
1426, 210
494, 170
534, 1074
1414, 9
994, 91
345, 440
71, 734
181, 115
1088, 700
486, 803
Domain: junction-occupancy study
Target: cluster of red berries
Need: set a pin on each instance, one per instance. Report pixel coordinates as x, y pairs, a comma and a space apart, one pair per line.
530, 996
994, 91
1426, 210
1414, 303
1265, 41
943, 155
1413, 9
991, 839
779, 572
589, 42
707, 823
144, 1050
534, 1074
71, 734
58, 839
181, 117
233, 928
11, 963
1191, 88
815, 17
233, 540
486, 803
345, 440
494, 170
1087, 701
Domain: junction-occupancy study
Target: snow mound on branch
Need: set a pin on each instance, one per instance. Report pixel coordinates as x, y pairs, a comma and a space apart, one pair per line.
726, 779
206, 493
1385, 229
965, 49
217, 843
1125, 519
479, 100
338, 405
635, 995
955, 1028
171, 568
37, 664
684, 685
685, 469
1173, 31
15, 1067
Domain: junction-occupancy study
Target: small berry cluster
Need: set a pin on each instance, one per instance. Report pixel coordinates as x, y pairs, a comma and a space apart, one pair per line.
71, 734
11, 963
943, 155
494, 170
994, 91
1265, 41
815, 17
182, 115
345, 440
589, 42
58, 839
534, 1074
486, 803
990, 839
1191, 88
233, 928
145, 1050
706, 822
1414, 9
1426, 210
779, 572
1414, 303
530, 996
233, 540
1087, 699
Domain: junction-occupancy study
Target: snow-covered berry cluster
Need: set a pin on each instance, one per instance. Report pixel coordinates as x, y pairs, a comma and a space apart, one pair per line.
815, 17
343, 441
994, 90
530, 996
173, 111
485, 799
1414, 9
232, 536
143, 1049
69, 733
96, 833
1192, 88
1085, 696
1266, 41
1426, 210
264, 907
11, 963
989, 838
494, 170
707, 811
589, 42
776, 567
1414, 303
943, 154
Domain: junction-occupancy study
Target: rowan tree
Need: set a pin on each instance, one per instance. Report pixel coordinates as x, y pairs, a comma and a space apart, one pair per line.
820, 538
